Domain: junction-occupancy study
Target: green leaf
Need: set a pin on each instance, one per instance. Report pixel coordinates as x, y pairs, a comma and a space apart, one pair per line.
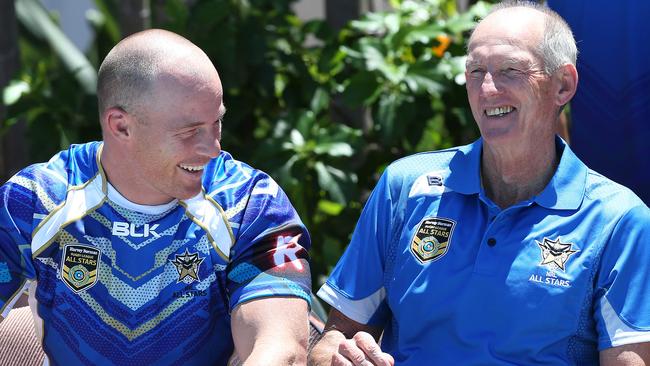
424, 33
12, 92
362, 89
373, 23
320, 100
296, 138
374, 57
386, 115
422, 77
35, 18
334, 149
327, 182
392, 21
376, 60
330, 208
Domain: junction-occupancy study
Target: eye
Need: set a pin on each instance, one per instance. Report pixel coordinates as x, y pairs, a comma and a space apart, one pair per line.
189, 133
511, 71
476, 72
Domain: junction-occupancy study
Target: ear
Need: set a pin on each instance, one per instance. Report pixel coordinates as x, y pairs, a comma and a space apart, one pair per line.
117, 123
567, 83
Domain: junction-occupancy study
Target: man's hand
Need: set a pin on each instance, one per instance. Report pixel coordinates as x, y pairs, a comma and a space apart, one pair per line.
362, 350
347, 342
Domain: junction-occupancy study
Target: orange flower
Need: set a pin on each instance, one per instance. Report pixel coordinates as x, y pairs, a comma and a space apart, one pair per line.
443, 44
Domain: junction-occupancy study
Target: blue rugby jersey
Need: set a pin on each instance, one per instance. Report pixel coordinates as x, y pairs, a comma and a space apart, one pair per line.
454, 280
120, 283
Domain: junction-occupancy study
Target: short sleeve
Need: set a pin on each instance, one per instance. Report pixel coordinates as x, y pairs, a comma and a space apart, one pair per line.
623, 283
270, 255
356, 285
16, 215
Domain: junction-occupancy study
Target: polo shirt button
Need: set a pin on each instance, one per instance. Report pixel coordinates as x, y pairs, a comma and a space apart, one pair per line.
492, 242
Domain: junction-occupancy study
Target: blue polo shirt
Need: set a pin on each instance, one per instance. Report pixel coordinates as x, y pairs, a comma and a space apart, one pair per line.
453, 279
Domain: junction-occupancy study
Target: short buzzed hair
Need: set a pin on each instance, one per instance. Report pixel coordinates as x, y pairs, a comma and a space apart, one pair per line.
127, 74
557, 47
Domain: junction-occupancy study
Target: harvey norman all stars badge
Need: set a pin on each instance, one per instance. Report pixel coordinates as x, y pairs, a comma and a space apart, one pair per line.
432, 238
79, 266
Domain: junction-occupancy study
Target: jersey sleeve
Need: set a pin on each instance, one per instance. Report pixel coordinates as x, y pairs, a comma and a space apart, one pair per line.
356, 285
269, 256
623, 283
16, 215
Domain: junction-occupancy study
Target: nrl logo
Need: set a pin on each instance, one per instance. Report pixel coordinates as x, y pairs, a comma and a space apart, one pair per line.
187, 266
432, 238
555, 253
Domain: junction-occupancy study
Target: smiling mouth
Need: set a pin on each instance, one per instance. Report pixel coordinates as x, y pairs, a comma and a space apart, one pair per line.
499, 111
191, 168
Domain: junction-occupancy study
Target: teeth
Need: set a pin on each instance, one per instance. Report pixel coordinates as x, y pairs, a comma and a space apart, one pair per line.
192, 168
498, 111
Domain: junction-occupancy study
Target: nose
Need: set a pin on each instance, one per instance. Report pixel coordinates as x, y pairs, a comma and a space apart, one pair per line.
488, 85
210, 144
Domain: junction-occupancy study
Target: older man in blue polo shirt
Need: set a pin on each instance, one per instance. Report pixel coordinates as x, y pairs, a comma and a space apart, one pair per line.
508, 251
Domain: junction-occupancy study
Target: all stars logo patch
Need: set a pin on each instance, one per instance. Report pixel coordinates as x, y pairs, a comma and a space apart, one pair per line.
432, 238
555, 253
187, 266
79, 266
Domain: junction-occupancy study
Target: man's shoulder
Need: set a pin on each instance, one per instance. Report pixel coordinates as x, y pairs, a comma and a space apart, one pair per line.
438, 159
611, 197
67, 167
442, 169
225, 168
229, 180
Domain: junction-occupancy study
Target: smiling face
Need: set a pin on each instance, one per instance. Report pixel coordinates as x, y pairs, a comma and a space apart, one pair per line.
510, 95
175, 136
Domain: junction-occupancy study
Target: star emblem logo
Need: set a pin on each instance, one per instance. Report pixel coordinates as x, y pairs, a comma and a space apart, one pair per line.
187, 266
555, 253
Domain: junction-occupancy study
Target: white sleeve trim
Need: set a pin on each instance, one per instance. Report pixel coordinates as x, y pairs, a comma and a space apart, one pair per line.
358, 310
618, 332
14, 300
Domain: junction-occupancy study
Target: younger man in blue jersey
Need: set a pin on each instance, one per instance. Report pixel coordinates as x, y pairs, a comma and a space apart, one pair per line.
508, 251
154, 247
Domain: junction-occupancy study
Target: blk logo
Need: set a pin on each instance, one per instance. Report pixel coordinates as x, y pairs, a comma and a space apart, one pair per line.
127, 229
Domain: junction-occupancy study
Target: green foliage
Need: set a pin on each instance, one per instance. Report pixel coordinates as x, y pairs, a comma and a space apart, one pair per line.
323, 117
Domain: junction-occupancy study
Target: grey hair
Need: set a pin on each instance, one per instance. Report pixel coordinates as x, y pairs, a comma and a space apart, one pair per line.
558, 46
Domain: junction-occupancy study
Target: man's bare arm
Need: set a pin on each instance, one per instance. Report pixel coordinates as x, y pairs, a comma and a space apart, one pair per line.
271, 331
637, 354
347, 342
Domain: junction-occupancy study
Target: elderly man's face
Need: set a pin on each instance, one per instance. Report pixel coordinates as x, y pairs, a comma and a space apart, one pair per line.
177, 136
509, 93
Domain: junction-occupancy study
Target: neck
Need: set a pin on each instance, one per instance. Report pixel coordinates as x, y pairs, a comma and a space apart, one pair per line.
510, 175
113, 162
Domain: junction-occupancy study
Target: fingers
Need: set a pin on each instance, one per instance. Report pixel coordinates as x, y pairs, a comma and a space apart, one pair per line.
351, 352
371, 349
361, 350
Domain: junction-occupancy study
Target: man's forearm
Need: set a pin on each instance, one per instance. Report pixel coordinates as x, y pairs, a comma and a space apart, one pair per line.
275, 353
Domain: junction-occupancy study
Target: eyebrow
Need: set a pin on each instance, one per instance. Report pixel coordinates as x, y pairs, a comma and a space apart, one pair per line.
222, 112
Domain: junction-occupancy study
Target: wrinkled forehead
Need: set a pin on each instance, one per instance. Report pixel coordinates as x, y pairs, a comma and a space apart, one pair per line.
492, 50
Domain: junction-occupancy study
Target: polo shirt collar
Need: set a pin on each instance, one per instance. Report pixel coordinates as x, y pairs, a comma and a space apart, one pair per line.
465, 169
566, 189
